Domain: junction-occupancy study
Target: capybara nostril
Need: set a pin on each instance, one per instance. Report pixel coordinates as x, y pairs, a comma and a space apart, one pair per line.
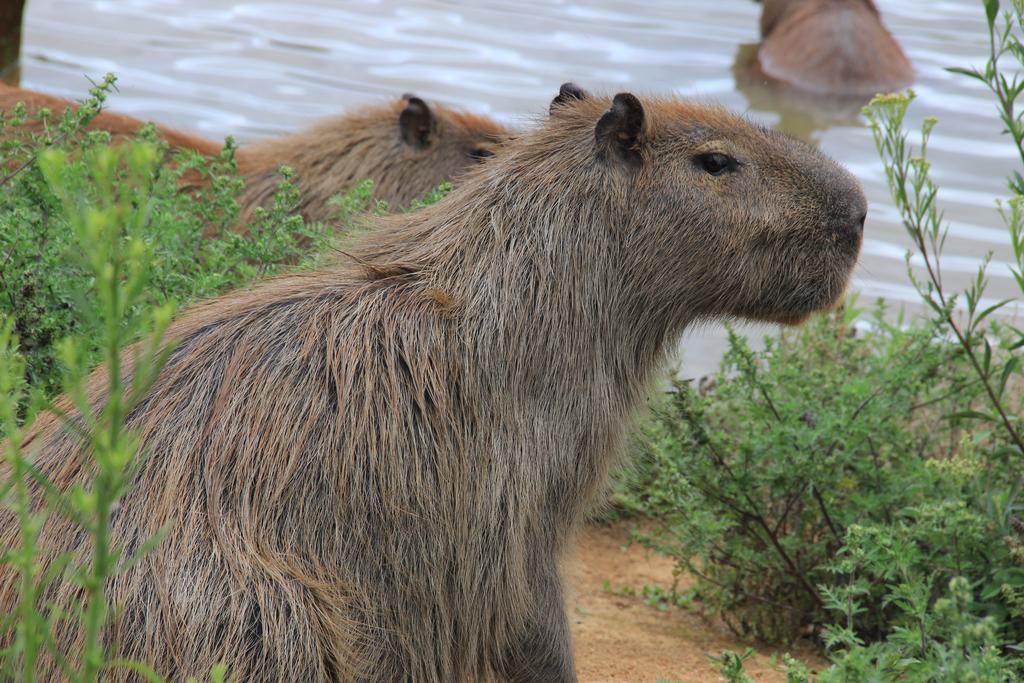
850, 209
853, 227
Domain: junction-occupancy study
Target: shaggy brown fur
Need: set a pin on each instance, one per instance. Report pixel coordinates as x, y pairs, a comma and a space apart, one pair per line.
406, 147
837, 47
373, 470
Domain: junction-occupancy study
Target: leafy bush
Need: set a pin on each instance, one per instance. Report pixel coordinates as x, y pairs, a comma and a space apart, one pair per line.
196, 251
820, 487
756, 479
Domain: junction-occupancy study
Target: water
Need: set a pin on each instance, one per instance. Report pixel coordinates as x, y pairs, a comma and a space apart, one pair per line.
259, 68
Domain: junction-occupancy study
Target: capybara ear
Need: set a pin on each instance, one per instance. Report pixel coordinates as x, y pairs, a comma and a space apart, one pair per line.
567, 93
619, 131
416, 122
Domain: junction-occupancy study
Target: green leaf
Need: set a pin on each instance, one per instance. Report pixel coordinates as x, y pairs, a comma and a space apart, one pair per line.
143, 670
147, 547
990, 310
1008, 370
970, 415
970, 73
991, 11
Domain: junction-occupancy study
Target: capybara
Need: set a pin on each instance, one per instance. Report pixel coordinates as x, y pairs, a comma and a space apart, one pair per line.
374, 469
406, 147
834, 47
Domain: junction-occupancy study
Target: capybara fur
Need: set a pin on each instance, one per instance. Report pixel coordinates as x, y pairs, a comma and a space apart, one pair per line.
406, 147
373, 470
831, 47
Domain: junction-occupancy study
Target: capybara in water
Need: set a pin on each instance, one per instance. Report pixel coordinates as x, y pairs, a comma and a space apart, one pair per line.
834, 47
374, 469
406, 147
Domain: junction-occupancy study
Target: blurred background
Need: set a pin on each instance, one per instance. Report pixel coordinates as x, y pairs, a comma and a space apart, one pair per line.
260, 68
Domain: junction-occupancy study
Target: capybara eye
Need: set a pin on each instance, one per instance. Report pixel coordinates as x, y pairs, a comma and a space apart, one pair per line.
716, 163
481, 154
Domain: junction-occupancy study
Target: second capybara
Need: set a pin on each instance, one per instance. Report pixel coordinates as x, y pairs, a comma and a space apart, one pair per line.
406, 147
374, 470
831, 47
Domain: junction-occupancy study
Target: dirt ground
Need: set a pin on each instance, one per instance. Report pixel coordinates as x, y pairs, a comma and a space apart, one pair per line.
623, 640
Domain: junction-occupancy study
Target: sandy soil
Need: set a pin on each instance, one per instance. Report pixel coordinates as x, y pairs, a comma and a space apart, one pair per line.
623, 640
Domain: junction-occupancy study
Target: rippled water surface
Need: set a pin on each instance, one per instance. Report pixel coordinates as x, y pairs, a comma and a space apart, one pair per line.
259, 68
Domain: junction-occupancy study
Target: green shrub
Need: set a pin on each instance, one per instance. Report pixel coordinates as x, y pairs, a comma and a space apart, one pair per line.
104, 198
756, 480
42, 276
820, 488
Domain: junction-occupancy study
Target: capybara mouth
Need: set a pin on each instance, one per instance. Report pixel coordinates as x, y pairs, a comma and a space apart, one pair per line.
831, 296
801, 303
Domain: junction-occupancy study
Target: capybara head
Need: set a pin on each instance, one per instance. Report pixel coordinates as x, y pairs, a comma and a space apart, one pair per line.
406, 147
722, 216
451, 140
834, 47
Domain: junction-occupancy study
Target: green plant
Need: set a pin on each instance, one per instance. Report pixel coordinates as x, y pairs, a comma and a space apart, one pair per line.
916, 197
108, 227
755, 481
197, 251
820, 487
730, 665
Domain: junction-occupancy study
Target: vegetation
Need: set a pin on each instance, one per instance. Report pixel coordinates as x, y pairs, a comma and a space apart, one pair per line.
196, 250
97, 243
859, 481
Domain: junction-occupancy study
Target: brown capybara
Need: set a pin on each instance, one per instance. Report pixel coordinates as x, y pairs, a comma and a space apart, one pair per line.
374, 469
406, 147
831, 47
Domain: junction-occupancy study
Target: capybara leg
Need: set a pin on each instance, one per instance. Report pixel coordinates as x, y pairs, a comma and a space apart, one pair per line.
544, 654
